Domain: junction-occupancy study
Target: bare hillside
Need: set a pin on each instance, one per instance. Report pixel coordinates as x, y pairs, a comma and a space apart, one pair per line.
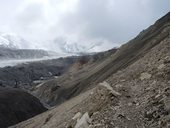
129, 88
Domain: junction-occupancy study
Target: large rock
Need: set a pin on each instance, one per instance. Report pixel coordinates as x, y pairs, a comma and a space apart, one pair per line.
84, 121
145, 75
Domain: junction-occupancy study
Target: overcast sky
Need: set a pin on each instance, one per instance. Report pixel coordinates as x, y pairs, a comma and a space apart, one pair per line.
110, 22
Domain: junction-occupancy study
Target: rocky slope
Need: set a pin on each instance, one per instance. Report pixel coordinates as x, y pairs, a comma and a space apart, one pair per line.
134, 94
74, 83
17, 106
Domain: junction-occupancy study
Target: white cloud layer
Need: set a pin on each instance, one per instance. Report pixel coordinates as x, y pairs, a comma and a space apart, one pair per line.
111, 22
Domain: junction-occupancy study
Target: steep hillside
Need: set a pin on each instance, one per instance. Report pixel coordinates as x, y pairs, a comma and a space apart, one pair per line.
17, 106
134, 94
144, 89
74, 83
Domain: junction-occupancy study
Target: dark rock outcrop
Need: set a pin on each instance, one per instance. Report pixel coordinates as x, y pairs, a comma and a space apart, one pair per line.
16, 106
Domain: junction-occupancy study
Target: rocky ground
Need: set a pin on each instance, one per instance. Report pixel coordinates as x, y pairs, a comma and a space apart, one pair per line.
144, 89
66, 114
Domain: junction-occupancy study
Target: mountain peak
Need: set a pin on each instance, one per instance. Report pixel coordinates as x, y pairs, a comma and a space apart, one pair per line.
10, 40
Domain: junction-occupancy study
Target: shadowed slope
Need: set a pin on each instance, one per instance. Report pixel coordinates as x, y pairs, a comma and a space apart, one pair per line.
17, 106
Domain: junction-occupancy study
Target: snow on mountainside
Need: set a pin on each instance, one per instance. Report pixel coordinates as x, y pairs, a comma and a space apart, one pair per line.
11, 41
60, 46
75, 48
71, 48
11, 48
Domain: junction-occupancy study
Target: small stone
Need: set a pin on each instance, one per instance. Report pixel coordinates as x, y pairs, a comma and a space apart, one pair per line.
77, 116
167, 103
145, 75
84, 121
147, 89
118, 86
158, 95
112, 123
161, 66
137, 104
130, 104
123, 80
97, 125
107, 85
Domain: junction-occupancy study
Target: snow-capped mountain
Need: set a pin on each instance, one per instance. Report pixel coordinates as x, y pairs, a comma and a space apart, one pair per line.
11, 48
58, 47
9, 41
63, 45
14, 41
75, 48
78, 48
72, 48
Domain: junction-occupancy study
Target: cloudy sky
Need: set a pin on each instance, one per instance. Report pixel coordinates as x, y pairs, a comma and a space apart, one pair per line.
107, 22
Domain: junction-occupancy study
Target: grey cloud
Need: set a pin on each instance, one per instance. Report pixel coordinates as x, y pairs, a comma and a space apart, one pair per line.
114, 20
31, 14
111, 22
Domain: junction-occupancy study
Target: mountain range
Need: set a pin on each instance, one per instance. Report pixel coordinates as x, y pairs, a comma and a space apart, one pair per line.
12, 41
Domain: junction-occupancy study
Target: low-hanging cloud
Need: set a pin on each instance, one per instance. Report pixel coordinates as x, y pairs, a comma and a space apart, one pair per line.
111, 22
